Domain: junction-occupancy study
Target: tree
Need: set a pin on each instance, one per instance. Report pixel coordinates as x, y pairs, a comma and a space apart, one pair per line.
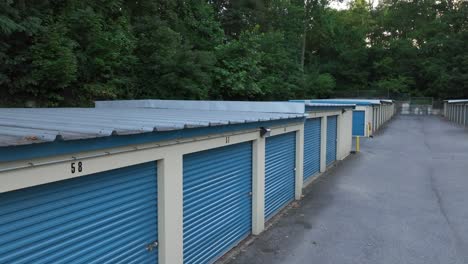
70, 53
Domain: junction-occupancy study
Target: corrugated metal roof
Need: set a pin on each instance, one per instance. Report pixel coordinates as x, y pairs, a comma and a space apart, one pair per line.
243, 106
330, 105
342, 101
457, 101
21, 126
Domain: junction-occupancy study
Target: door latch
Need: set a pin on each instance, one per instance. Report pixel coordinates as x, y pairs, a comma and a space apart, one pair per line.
152, 246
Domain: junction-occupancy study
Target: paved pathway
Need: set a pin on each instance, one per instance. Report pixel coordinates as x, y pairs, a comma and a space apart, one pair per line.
403, 199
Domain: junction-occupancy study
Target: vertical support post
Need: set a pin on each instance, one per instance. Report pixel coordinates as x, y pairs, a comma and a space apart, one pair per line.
378, 117
374, 119
339, 137
367, 116
323, 144
170, 210
299, 162
381, 115
258, 185
357, 144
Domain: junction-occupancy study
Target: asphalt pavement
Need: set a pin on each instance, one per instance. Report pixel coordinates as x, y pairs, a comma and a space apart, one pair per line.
402, 199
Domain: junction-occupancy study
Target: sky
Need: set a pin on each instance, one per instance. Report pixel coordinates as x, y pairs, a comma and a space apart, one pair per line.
340, 5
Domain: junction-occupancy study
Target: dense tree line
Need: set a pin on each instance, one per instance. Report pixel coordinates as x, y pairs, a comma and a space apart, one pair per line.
72, 52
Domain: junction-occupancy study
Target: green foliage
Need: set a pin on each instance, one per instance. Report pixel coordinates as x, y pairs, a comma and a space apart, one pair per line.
54, 64
238, 68
319, 85
70, 53
397, 85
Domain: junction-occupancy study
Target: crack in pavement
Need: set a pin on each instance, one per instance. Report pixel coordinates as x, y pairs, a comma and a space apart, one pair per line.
456, 238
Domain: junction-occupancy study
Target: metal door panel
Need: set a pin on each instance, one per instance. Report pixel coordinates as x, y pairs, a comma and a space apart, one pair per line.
359, 123
280, 163
107, 217
217, 201
331, 139
312, 142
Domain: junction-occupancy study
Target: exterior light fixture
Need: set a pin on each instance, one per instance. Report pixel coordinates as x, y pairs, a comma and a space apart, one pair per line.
265, 132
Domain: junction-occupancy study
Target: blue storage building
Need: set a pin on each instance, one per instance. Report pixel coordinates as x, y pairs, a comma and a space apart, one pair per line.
327, 136
368, 115
156, 181
456, 110
139, 185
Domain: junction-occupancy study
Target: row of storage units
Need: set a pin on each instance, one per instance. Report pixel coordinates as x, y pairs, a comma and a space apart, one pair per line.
368, 116
456, 111
153, 181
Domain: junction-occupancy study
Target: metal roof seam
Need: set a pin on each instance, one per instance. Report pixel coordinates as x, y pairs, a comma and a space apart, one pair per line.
20, 126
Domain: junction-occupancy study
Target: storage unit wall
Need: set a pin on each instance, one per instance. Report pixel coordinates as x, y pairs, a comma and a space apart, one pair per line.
316, 137
368, 115
456, 111
388, 107
154, 181
141, 185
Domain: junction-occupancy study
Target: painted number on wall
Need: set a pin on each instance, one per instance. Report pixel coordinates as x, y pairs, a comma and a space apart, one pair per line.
76, 167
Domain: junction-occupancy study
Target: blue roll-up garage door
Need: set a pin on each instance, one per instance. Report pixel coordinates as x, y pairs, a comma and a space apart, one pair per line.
331, 139
312, 138
280, 163
358, 123
217, 201
108, 217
